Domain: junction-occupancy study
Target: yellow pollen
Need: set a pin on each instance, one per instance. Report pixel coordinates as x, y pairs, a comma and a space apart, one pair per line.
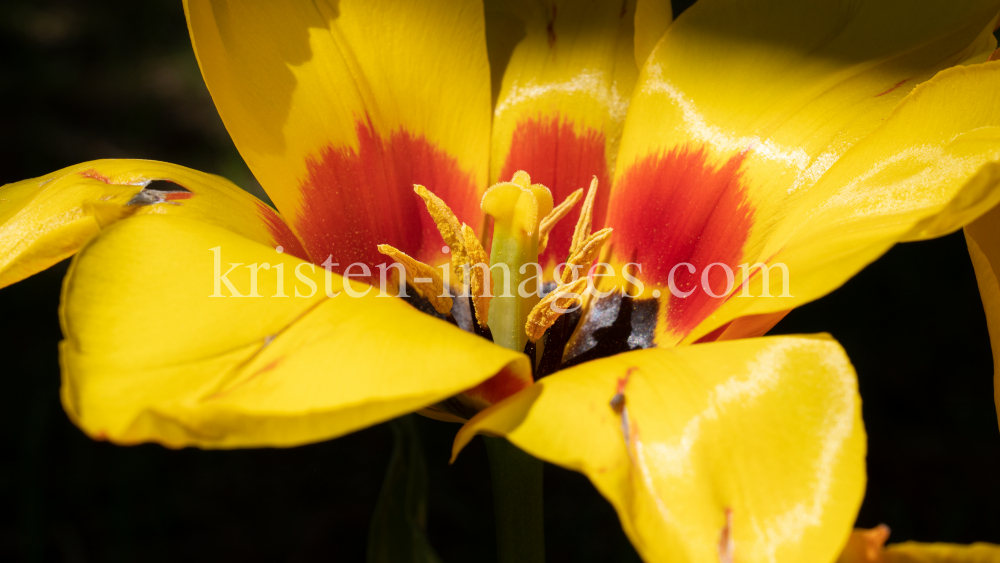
550, 220
552, 306
582, 230
449, 227
417, 274
586, 255
479, 282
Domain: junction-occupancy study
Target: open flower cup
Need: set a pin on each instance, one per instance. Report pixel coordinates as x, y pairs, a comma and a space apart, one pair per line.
657, 194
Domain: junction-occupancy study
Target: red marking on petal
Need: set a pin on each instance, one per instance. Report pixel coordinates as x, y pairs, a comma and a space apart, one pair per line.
356, 199
270, 366
677, 207
91, 173
174, 196
714, 335
557, 157
898, 84
750, 326
280, 232
623, 381
499, 387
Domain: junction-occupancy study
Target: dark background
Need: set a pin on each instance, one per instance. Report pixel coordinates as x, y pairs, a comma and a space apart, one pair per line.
85, 80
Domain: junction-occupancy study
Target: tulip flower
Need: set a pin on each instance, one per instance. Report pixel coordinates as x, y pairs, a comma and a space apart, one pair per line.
723, 169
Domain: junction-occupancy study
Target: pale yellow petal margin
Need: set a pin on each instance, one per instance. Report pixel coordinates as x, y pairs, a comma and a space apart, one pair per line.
983, 238
930, 168
44, 220
150, 356
769, 428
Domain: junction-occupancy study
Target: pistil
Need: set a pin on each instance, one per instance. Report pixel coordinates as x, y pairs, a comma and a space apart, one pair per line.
517, 208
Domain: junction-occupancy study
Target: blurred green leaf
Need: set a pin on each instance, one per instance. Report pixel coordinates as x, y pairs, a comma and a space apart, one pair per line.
398, 528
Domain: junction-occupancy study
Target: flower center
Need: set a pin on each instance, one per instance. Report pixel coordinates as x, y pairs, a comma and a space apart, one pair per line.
523, 215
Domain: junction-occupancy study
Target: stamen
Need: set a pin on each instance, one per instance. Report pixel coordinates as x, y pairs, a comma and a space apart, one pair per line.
586, 255
449, 227
550, 220
426, 279
480, 283
583, 225
552, 306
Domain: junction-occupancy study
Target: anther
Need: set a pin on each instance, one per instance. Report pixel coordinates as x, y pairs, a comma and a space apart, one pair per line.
557, 214
583, 225
586, 254
449, 227
480, 281
561, 300
424, 278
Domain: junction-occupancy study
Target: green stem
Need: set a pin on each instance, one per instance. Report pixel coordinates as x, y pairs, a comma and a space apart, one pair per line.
517, 502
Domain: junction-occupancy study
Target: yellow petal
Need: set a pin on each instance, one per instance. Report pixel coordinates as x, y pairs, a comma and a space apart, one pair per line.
817, 153
565, 91
720, 165
929, 169
983, 238
339, 108
805, 79
149, 355
769, 428
44, 220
